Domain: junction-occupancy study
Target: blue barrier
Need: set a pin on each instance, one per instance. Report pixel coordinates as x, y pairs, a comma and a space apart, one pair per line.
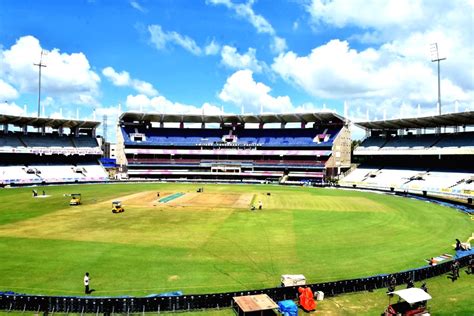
108, 305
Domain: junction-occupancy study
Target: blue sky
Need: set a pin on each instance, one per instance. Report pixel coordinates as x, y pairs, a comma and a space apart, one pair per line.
226, 55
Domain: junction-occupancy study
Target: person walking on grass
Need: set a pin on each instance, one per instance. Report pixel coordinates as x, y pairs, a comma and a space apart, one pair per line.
86, 284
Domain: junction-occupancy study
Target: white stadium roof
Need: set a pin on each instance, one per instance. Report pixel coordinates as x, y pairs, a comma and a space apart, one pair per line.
317, 117
48, 122
452, 119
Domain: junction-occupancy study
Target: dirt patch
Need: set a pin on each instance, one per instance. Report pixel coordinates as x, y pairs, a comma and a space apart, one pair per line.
147, 198
216, 200
189, 199
173, 278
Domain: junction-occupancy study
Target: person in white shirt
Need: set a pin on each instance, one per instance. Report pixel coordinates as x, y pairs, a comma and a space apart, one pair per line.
86, 284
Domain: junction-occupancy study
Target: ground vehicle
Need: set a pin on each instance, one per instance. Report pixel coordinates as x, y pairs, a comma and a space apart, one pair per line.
75, 199
117, 207
412, 302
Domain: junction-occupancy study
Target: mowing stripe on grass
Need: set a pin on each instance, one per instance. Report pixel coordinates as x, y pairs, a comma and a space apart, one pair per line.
171, 197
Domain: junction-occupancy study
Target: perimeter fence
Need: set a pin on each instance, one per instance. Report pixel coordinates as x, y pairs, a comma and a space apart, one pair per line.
157, 304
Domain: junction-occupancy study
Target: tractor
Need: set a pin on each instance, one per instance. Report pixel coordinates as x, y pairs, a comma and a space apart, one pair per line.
117, 207
75, 199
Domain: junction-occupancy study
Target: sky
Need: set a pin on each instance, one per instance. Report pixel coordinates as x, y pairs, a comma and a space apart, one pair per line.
364, 59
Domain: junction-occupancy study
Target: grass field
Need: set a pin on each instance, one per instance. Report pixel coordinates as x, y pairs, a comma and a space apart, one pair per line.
211, 241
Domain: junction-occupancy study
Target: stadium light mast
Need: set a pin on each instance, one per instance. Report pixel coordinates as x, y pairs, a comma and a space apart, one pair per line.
40, 65
435, 58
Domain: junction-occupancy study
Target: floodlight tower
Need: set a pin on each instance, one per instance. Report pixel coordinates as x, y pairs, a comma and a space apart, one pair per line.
40, 65
435, 58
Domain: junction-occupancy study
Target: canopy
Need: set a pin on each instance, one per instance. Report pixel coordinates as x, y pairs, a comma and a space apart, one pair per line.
412, 295
451, 119
321, 118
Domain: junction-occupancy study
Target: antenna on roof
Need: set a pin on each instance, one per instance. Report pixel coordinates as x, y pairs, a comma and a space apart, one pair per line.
24, 110
222, 109
93, 115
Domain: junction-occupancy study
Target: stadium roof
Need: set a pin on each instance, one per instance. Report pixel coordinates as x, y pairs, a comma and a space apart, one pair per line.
452, 119
48, 122
318, 117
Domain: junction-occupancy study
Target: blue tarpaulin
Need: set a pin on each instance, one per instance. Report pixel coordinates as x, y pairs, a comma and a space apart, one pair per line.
288, 308
167, 294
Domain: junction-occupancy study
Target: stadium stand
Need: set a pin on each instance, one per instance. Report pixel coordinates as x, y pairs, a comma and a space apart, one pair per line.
38, 150
430, 156
226, 147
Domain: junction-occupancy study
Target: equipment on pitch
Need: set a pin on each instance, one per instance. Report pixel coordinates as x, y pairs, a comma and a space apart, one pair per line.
75, 199
117, 207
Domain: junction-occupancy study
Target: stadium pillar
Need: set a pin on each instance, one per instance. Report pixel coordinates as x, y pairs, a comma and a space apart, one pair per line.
43, 130
303, 124
181, 124
24, 129
282, 125
203, 125
261, 125
5, 128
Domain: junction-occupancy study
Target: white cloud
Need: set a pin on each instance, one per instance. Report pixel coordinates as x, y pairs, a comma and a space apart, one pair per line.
336, 71
67, 77
11, 109
136, 5
212, 48
278, 45
7, 92
366, 13
160, 104
162, 38
242, 90
396, 74
296, 25
245, 11
232, 59
123, 79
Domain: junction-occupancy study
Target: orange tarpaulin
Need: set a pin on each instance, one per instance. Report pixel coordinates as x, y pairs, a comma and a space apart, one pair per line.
307, 299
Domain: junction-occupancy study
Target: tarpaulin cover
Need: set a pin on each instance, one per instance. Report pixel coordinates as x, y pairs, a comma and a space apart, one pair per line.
288, 308
307, 299
167, 294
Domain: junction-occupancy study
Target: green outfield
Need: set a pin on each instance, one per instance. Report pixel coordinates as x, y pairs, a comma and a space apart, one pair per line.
211, 241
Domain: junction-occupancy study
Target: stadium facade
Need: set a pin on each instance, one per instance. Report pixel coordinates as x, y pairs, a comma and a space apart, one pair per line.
285, 148
430, 156
43, 150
